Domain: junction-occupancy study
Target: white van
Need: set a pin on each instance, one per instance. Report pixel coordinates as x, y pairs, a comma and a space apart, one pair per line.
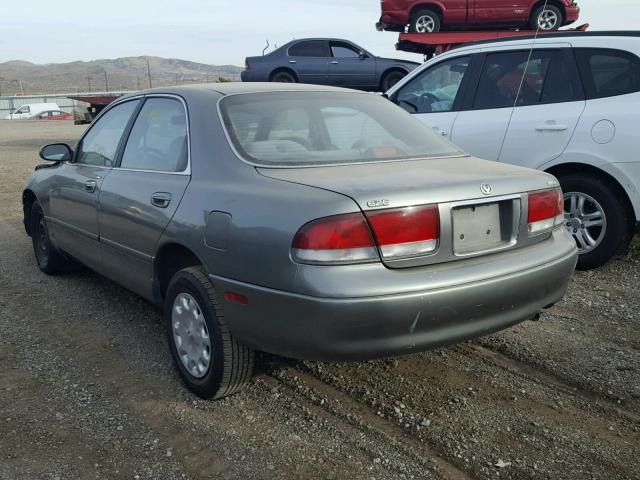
31, 110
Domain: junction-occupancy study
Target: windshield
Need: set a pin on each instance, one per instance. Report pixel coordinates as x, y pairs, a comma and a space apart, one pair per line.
324, 128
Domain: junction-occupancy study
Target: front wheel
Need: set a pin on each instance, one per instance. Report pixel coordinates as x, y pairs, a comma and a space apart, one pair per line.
547, 18
211, 362
597, 218
425, 21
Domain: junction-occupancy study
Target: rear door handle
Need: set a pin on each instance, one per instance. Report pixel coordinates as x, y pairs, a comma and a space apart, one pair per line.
335, 62
551, 127
444, 133
90, 186
293, 62
161, 199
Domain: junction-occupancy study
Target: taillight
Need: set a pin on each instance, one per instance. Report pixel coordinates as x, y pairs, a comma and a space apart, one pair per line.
335, 240
246, 65
546, 210
398, 233
406, 232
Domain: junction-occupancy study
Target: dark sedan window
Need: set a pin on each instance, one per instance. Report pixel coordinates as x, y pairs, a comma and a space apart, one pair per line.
343, 50
310, 48
324, 128
158, 140
100, 144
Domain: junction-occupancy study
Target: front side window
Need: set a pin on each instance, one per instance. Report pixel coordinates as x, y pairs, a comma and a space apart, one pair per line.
158, 139
24, 109
436, 89
512, 79
608, 73
100, 144
310, 48
326, 128
343, 50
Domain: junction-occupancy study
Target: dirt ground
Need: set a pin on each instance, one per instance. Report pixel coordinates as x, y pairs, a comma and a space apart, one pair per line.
87, 388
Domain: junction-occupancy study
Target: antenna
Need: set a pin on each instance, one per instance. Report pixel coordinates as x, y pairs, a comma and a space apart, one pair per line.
265, 48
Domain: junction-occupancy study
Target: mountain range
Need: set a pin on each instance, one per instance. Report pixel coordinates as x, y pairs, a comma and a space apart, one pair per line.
128, 73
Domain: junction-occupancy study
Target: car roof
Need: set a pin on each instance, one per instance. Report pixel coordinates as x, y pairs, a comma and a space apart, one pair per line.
235, 88
550, 37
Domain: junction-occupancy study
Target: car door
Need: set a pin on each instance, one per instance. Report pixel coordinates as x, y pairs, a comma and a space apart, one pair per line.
434, 95
310, 60
141, 194
548, 109
76, 186
350, 66
481, 126
498, 11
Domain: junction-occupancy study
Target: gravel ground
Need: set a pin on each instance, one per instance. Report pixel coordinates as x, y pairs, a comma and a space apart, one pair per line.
87, 389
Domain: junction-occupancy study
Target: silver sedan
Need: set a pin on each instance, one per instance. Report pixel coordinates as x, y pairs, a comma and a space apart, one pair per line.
310, 222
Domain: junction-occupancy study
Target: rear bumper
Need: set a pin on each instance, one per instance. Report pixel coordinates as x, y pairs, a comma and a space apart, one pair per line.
572, 14
359, 328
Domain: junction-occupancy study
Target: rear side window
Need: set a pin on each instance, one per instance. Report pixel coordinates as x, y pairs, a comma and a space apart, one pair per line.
158, 139
608, 73
310, 48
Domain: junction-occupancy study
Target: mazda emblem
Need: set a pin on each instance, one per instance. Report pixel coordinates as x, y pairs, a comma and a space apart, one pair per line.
486, 188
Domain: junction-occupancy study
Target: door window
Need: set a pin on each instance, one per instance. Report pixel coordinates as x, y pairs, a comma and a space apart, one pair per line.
436, 89
344, 50
310, 48
24, 109
158, 139
513, 79
608, 73
100, 145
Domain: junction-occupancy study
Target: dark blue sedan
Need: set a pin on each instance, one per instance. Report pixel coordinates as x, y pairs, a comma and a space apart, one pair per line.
326, 61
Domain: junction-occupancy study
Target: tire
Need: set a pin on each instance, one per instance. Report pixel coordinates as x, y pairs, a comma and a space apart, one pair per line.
613, 236
283, 77
551, 13
425, 20
391, 78
49, 259
230, 364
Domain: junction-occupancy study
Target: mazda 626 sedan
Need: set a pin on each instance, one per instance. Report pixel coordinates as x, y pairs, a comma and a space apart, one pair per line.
305, 221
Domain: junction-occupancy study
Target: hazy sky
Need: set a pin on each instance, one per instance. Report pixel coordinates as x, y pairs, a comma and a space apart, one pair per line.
212, 31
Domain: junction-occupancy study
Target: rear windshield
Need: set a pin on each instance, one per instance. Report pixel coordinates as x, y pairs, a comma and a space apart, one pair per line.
325, 128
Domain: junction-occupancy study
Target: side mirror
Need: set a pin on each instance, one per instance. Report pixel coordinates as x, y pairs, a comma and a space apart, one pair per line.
56, 152
363, 55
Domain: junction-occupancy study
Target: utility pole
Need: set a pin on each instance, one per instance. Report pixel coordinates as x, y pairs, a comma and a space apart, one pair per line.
21, 87
106, 82
89, 81
176, 79
138, 80
149, 73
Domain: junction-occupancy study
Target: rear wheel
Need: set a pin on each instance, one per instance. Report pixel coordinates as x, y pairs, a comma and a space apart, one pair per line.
211, 362
425, 20
547, 18
597, 218
391, 78
283, 77
49, 259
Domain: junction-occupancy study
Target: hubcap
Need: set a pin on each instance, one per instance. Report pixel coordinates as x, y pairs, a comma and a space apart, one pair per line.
585, 219
44, 244
547, 20
191, 335
425, 24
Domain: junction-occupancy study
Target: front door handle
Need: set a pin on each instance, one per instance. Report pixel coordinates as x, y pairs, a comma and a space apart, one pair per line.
293, 62
90, 186
161, 199
335, 62
444, 133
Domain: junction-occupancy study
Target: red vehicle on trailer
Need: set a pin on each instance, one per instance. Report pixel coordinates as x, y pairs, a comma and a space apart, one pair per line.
429, 16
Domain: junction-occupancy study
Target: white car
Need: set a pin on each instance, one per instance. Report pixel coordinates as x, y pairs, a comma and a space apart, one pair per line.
31, 110
566, 103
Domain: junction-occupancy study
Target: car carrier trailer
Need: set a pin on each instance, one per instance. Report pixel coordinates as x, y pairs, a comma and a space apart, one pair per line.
431, 44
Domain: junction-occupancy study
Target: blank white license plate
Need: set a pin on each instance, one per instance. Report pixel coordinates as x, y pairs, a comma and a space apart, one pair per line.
476, 228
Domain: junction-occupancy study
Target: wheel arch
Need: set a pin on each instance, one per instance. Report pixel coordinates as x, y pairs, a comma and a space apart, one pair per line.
584, 168
170, 259
436, 7
28, 199
391, 69
555, 3
283, 69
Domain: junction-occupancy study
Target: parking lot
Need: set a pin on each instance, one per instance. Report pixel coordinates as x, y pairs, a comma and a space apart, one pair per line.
87, 388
